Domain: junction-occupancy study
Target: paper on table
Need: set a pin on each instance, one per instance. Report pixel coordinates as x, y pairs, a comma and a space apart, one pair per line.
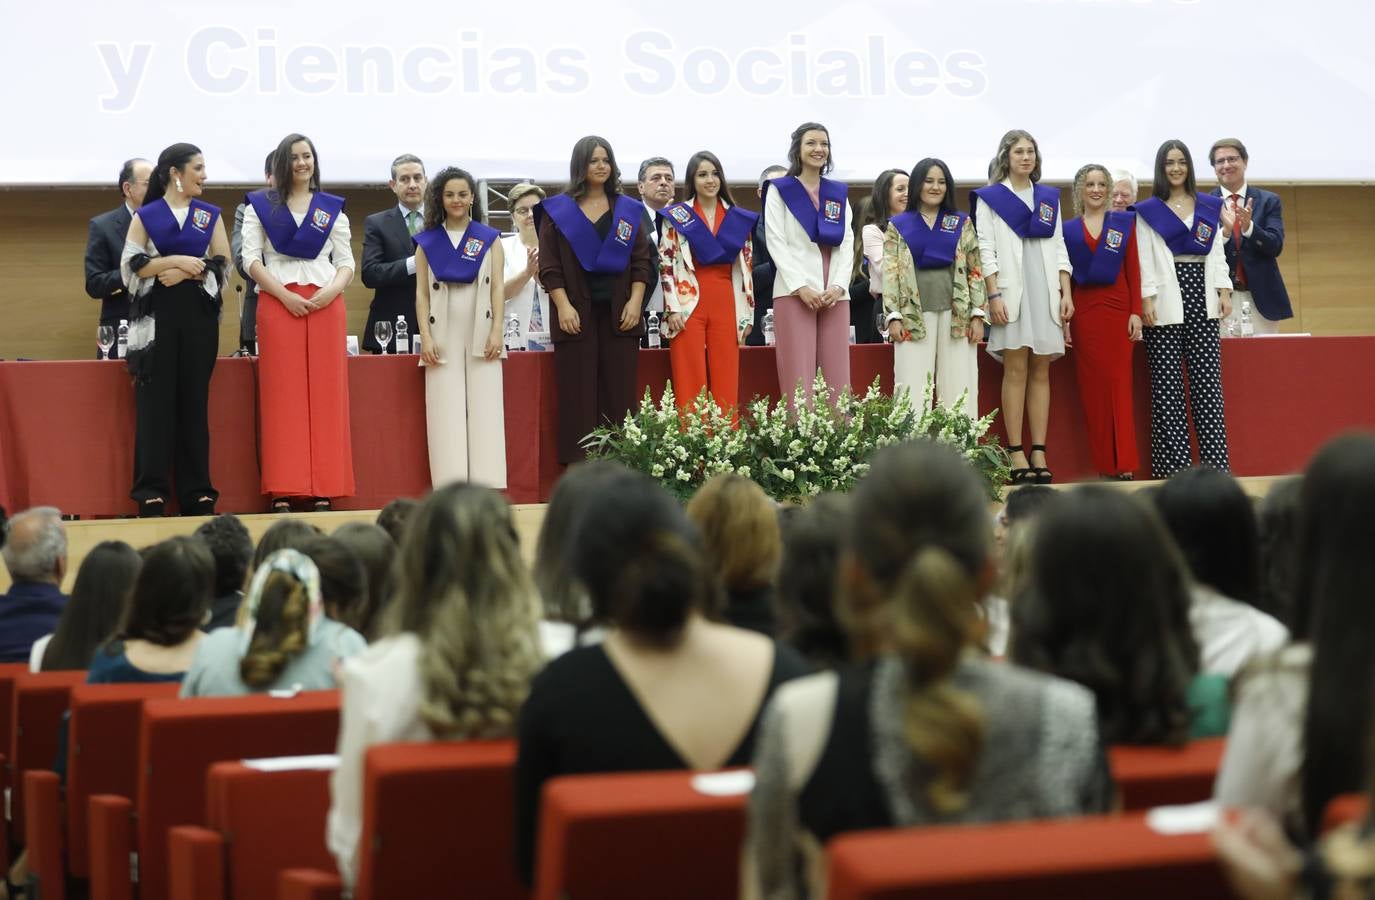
327, 761
724, 784
1191, 818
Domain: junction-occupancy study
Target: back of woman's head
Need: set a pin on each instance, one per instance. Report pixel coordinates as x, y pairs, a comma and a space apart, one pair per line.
343, 582
739, 526
1107, 605
375, 549
813, 537
564, 599
171, 594
463, 589
919, 545
1213, 524
284, 534
283, 601
1278, 521
95, 607
640, 560
1336, 590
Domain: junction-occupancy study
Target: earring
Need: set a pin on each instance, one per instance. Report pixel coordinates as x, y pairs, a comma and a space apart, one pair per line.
178, 184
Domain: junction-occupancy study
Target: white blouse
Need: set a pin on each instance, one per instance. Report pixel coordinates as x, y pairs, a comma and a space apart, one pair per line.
337, 253
521, 302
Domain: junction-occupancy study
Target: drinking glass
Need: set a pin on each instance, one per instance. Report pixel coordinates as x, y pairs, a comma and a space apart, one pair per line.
382, 331
105, 339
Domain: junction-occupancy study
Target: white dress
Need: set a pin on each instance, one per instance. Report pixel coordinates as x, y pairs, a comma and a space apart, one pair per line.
530, 304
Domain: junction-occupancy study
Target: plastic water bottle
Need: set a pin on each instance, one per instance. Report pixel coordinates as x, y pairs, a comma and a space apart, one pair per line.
403, 341
1248, 325
122, 339
652, 330
512, 337
769, 339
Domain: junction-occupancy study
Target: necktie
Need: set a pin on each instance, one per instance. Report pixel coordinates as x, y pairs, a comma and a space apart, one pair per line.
1240, 278
412, 222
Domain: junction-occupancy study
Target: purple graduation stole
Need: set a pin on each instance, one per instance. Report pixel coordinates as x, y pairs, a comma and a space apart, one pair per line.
606, 257
825, 223
459, 264
713, 249
932, 248
1027, 223
171, 239
1182, 240
1101, 266
304, 241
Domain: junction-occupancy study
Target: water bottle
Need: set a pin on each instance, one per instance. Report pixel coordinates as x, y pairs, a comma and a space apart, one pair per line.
1229, 327
768, 328
1248, 325
513, 332
122, 340
652, 330
403, 341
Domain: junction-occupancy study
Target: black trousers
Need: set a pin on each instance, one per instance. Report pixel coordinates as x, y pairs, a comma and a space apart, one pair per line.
173, 426
596, 379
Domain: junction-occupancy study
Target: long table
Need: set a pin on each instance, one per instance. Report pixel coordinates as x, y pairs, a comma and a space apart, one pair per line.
66, 428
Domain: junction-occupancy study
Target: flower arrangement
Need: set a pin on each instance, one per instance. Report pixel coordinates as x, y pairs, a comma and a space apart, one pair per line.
790, 451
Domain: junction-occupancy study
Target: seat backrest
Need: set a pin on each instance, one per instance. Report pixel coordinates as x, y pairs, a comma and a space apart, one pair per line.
102, 752
179, 739
637, 835
273, 821
40, 701
1164, 776
8, 673
438, 821
1094, 856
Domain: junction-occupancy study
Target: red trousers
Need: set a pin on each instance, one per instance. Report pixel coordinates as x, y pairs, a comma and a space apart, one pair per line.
707, 352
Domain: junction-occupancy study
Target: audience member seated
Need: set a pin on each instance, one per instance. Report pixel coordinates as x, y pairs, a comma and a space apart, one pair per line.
565, 600
805, 599
1302, 721
232, 549
375, 549
285, 642
284, 534
461, 647
929, 731
35, 554
393, 517
1214, 526
1107, 605
667, 688
739, 526
94, 611
343, 583
1012, 531
1277, 519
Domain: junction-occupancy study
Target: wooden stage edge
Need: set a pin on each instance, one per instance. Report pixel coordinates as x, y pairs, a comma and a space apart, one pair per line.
84, 534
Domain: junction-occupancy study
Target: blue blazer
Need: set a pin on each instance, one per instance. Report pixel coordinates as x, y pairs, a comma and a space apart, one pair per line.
1260, 254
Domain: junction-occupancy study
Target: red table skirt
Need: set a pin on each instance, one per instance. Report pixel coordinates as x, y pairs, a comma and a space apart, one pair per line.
66, 428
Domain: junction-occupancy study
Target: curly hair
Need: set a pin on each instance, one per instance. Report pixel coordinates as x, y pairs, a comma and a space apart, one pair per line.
1081, 179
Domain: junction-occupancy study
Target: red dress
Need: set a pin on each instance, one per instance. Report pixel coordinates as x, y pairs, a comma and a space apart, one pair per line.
1103, 361
707, 352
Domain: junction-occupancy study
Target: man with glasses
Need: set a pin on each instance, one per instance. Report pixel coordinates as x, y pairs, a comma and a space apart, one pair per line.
1253, 228
389, 252
105, 245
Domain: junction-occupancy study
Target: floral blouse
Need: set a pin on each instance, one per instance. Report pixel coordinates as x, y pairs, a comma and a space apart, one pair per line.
900, 282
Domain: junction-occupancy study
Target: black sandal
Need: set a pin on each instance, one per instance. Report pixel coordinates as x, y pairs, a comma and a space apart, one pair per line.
1020, 476
281, 505
152, 508
321, 504
201, 506
1042, 475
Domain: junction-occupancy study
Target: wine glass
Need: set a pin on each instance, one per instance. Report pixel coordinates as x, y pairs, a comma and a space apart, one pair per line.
382, 331
105, 339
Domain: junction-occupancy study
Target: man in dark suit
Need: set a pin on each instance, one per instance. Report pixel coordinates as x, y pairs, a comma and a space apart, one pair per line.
248, 313
35, 554
763, 271
105, 245
1253, 227
657, 189
389, 252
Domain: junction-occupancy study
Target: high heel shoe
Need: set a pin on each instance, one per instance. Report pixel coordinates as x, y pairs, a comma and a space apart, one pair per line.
1040, 474
1020, 476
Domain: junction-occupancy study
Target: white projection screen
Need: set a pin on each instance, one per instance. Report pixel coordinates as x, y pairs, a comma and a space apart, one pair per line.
505, 88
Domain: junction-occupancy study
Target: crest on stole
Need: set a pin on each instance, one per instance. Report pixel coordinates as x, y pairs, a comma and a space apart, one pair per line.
831, 210
472, 247
201, 219
1203, 232
949, 221
321, 218
1114, 239
680, 215
1046, 213
623, 230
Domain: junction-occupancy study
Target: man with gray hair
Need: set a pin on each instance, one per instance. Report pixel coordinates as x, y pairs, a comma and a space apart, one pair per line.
657, 187
389, 252
105, 245
35, 554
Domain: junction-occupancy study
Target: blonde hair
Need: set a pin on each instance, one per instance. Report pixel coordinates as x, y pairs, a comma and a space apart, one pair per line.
1002, 163
280, 632
1081, 178
464, 591
521, 190
740, 534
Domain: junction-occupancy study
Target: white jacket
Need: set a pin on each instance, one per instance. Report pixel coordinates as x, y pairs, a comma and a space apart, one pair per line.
482, 287
1158, 276
1000, 251
798, 260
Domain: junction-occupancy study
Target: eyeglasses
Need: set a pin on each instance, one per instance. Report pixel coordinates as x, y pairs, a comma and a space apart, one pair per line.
1224, 160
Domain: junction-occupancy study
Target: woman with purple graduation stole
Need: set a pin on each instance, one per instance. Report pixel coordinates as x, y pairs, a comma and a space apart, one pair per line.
1102, 248
174, 264
459, 308
934, 291
597, 265
1185, 268
706, 256
297, 248
1026, 273
808, 229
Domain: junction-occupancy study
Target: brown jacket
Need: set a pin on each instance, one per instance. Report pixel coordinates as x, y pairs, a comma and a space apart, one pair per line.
559, 268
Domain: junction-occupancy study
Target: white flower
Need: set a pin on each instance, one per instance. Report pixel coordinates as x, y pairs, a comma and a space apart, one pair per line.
683, 475
743, 471
656, 470
681, 452
787, 475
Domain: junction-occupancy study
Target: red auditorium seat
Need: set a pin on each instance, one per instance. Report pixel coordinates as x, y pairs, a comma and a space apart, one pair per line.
643, 834
102, 756
40, 700
8, 672
258, 824
178, 740
1344, 810
438, 820
1164, 776
1096, 856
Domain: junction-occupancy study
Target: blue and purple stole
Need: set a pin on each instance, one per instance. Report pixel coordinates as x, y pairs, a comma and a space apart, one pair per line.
459, 264
713, 249
1181, 239
825, 222
1103, 265
606, 257
304, 241
1038, 222
932, 248
191, 238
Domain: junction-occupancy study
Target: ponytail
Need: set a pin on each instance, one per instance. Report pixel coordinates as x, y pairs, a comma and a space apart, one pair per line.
280, 632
